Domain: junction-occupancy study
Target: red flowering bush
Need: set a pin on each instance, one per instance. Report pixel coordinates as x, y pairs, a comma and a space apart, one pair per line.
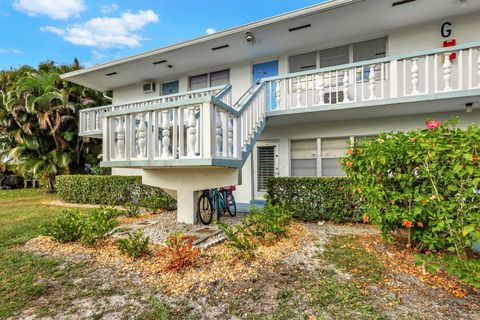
424, 181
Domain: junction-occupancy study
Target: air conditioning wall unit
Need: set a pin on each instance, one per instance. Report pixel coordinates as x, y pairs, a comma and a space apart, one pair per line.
148, 87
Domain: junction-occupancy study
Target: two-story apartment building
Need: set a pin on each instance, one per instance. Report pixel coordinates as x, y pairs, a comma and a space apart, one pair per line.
283, 95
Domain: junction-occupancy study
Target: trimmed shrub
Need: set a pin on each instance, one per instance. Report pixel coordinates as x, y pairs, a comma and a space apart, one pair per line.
108, 190
135, 246
423, 183
158, 201
316, 198
67, 228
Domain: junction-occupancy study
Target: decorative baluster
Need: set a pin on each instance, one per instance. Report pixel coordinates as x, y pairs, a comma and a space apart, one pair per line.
447, 72
120, 139
277, 93
230, 137
414, 76
346, 83
320, 85
191, 132
218, 132
371, 80
142, 141
299, 91
165, 135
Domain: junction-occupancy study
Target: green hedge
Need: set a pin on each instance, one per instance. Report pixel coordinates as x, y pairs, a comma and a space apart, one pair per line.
310, 199
106, 190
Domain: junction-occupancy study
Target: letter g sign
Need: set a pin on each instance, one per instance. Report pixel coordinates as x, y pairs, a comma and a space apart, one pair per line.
446, 29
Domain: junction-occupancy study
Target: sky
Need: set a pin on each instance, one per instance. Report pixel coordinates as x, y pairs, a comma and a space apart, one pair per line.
98, 31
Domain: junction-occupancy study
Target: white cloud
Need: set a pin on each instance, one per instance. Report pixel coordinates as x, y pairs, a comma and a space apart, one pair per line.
51, 29
10, 51
109, 8
210, 31
98, 55
109, 32
55, 9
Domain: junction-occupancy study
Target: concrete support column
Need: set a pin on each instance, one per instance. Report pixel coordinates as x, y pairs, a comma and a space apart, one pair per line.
187, 206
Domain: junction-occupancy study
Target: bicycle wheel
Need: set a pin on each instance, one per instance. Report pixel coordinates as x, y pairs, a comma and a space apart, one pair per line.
231, 205
205, 209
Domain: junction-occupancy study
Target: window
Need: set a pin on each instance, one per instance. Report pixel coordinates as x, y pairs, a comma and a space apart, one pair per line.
335, 56
303, 62
219, 78
207, 80
304, 158
199, 82
362, 51
332, 151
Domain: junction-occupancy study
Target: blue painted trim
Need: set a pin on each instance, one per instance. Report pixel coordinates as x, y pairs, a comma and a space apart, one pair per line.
380, 102
243, 207
377, 61
223, 92
257, 135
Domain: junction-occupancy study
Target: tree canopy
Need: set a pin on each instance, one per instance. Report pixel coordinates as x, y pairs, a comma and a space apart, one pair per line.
39, 122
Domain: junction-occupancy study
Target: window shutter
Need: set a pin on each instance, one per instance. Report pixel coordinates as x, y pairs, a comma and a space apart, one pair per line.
265, 165
303, 62
304, 158
219, 78
334, 56
199, 82
368, 50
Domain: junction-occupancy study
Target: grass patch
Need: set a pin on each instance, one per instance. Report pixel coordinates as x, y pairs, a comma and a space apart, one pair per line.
23, 276
335, 299
348, 254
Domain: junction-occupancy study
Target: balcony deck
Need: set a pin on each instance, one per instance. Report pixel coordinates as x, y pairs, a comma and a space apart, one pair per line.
202, 128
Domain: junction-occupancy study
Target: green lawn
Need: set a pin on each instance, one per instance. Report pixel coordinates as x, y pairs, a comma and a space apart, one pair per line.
23, 275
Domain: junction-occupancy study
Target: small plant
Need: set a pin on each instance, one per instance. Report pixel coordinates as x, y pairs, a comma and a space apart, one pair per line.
272, 219
240, 239
67, 228
98, 224
180, 252
156, 202
466, 270
132, 208
135, 245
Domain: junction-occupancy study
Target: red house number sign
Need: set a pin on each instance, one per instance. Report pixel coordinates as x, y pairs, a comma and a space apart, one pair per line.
446, 33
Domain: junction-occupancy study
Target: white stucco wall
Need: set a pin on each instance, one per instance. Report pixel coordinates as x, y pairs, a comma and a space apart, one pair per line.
284, 134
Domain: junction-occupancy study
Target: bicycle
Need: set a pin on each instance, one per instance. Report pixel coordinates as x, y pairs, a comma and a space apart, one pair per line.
218, 201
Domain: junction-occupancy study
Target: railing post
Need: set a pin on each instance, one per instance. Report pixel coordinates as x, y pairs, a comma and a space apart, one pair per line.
106, 140
320, 85
299, 91
218, 131
207, 129
372, 83
278, 97
346, 83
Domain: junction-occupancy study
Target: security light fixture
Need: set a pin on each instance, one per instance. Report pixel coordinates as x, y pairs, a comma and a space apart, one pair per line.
468, 107
250, 38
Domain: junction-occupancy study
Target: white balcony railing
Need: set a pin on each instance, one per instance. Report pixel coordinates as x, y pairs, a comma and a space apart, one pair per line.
430, 72
184, 130
90, 119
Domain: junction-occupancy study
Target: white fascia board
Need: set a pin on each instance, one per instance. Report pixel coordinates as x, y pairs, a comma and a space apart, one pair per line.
322, 7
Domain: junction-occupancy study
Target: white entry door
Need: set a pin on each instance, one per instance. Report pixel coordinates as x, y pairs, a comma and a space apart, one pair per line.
266, 166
